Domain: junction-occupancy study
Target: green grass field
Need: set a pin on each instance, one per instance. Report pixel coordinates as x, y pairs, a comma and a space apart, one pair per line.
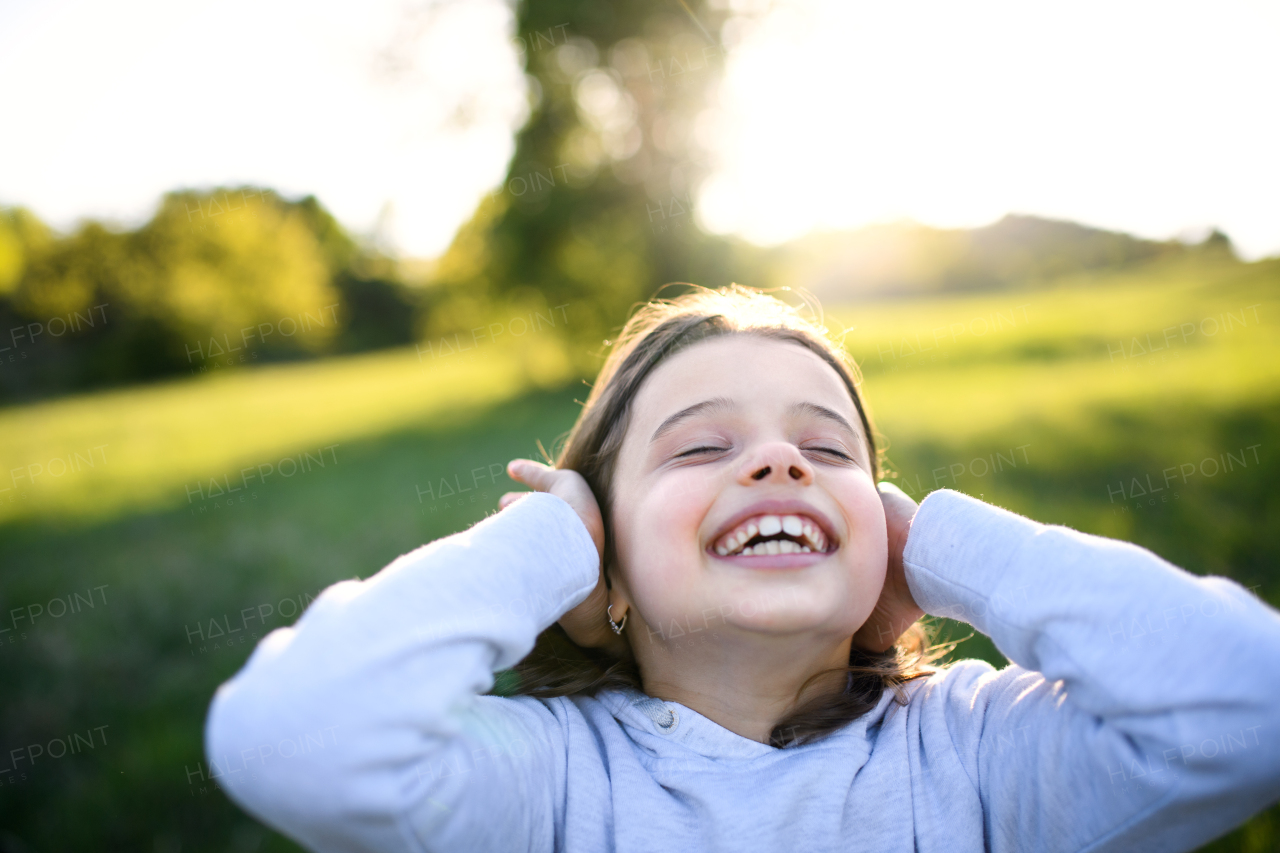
1051, 411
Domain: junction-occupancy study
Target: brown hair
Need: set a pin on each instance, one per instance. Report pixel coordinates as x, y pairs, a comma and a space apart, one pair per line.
559, 667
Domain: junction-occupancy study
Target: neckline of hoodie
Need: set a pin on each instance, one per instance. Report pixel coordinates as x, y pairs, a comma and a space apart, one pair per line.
707, 737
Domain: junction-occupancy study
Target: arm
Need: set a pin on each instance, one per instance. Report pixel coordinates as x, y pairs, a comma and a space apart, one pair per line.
362, 726
1142, 709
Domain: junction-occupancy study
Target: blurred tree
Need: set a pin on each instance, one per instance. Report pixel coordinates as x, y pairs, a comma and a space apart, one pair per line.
221, 265
1219, 245
596, 210
377, 309
214, 279
21, 233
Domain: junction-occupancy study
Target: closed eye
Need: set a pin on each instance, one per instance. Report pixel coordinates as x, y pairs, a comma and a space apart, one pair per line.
840, 454
697, 450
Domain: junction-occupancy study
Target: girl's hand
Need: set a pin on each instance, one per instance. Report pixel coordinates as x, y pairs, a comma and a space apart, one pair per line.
587, 624
896, 611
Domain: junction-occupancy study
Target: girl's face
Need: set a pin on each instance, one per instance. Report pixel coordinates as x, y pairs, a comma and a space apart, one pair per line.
743, 498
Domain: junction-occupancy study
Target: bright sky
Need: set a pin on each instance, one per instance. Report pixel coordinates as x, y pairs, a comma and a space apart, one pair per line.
1146, 116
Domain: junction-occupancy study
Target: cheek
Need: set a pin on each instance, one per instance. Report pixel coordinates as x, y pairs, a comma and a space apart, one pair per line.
865, 514
867, 550
657, 534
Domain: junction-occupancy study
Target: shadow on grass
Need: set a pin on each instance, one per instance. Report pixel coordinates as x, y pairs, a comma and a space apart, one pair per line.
180, 598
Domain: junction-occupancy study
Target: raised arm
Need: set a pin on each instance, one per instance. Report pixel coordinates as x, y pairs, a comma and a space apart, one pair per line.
363, 728
1142, 711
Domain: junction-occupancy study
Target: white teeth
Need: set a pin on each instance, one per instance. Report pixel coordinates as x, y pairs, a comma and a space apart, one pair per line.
773, 546
795, 526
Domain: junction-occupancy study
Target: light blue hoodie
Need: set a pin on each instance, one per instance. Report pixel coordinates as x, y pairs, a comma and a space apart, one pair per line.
1142, 712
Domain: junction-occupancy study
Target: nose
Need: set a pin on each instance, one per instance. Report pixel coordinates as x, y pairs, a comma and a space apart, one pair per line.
776, 461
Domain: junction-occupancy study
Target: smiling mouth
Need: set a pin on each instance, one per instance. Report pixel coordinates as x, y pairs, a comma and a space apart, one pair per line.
773, 534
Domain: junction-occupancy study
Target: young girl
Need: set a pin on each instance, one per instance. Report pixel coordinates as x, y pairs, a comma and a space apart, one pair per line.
723, 603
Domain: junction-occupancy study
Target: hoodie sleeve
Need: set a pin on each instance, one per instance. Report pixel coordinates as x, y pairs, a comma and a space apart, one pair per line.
363, 726
1141, 710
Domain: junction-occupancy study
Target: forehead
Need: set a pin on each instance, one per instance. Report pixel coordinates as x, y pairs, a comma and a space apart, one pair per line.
750, 369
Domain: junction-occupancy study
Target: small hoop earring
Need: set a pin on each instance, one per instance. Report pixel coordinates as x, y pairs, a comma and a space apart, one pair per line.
617, 626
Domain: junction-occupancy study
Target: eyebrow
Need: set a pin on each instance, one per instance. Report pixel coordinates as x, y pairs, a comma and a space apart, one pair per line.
724, 403
826, 414
712, 405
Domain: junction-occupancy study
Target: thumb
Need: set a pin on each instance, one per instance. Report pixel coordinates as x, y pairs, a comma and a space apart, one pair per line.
895, 500
533, 474
509, 498
888, 488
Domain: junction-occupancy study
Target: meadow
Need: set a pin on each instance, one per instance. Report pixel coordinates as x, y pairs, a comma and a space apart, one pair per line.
1142, 405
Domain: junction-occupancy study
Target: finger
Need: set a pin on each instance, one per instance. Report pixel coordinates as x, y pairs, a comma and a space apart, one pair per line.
885, 487
891, 494
533, 474
509, 498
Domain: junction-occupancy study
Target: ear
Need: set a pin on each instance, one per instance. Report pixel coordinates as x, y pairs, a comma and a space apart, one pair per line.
619, 595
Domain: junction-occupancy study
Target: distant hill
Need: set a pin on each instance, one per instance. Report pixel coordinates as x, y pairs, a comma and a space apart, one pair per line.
908, 259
